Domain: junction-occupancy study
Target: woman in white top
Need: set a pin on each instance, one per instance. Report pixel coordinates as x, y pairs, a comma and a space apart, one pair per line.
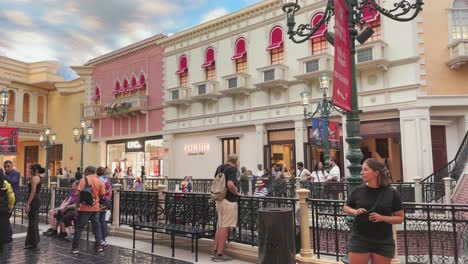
319, 174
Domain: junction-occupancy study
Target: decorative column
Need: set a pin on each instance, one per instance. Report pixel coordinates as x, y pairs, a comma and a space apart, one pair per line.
418, 194
300, 135
161, 197
448, 190
306, 255
250, 185
261, 140
53, 190
116, 205
396, 257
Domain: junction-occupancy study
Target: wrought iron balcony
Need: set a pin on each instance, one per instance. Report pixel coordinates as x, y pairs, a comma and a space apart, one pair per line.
92, 112
458, 53
126, 106
273, 76
313, 66
371, 55
178, 96
238, 83
205, 91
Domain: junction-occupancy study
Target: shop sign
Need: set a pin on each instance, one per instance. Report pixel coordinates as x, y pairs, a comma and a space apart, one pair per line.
196, 149
134, 146
8, 140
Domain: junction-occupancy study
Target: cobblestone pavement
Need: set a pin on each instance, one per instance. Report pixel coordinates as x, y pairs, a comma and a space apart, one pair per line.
55, 251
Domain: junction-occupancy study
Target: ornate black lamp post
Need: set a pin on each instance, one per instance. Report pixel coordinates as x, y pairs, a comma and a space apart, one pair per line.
404, 10
47, 141
323, 108
4, 100
83, 137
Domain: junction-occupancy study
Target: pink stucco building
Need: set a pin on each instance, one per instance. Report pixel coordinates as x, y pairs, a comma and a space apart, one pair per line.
125, 104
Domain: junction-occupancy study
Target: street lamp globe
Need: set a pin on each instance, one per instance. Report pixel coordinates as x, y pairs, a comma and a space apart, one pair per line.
47, 131
90, 130
4, 98
305, 98
324, 81
83, 123
41, 137
54, 136
76, 131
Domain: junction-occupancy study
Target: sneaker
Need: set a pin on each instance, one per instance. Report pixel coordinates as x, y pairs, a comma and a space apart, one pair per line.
48, 232
222, 258
74, 251
98, 249
103, 243
62, 235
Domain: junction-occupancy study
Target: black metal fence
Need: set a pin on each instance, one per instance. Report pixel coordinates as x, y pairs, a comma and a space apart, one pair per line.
140, 207
198, 185
431, 233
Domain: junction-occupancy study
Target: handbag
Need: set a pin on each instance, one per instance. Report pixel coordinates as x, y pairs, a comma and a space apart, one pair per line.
364, 217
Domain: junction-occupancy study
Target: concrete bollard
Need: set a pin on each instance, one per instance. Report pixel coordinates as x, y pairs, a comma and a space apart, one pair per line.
116, 205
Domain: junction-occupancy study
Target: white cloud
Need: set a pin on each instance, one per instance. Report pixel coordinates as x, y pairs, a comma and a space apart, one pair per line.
55, 16
17, 17
213, 14
92, 23
24, 51
156, 8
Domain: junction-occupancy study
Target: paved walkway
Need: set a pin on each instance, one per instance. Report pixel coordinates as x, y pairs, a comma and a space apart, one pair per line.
119, 250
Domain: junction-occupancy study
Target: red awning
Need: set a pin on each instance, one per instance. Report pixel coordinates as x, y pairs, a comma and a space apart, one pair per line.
322, 29
276, 38
142, 81
370, 14
240, 49
209, 57
182, 65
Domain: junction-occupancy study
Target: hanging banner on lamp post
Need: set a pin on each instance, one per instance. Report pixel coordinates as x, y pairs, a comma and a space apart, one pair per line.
342, 67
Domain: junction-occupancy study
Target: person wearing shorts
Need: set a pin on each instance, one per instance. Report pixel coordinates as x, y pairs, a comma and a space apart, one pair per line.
377, 207
226, 208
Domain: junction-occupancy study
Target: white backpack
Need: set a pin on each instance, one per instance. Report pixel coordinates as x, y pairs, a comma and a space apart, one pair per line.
218, 185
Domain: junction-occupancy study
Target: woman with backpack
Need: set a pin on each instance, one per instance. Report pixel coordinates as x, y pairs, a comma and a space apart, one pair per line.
7, 201
32, 206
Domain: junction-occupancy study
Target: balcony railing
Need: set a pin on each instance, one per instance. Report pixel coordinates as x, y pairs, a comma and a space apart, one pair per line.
273, 76
313, 66
370, 55
178, 95
206, 90
238, 83
458, 54
92, 112
136, 104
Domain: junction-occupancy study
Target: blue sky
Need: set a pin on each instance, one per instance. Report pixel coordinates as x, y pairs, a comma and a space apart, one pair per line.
74, 31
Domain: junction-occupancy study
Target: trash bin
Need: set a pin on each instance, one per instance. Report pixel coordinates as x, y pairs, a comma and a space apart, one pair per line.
275, 227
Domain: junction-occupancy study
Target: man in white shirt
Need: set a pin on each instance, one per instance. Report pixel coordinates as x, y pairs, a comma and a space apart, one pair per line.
334, 174
259, 173
302, 172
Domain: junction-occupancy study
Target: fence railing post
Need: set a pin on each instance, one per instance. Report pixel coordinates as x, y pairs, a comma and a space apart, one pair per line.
418, 194
58, 183
250, 185
166, 182
53, 190
125, 185
396, 258
116, 205
161, 197
306, 255
448, 190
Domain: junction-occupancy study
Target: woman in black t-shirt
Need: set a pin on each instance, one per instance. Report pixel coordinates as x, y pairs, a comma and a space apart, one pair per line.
377, 207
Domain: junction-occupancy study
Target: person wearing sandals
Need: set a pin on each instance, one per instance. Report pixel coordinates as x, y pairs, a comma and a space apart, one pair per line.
32, 206
377, 207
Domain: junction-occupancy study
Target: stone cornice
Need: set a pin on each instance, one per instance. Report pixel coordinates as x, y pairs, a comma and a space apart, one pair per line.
126, 51
222, 22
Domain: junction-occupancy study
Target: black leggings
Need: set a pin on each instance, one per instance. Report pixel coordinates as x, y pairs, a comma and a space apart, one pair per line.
32, 237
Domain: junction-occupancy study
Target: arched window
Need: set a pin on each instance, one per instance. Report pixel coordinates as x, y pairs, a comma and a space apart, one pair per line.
318, 41
26, 108
372, 18
276, 45
142, 83
209, 64
126, 87
97, 96
40, 110
240, 55
183, 71
11, 106
133, 85
117, 90
459, 20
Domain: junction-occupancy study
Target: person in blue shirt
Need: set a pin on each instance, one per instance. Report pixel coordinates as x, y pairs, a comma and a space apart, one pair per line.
12, 176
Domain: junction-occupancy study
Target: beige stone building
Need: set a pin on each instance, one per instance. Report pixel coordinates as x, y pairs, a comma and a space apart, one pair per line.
40, 98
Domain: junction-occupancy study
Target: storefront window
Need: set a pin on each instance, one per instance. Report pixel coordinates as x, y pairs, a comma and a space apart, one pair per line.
281, 150
230, 146
136, 157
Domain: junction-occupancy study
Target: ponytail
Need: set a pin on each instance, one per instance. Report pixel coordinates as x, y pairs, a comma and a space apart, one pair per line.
384, 175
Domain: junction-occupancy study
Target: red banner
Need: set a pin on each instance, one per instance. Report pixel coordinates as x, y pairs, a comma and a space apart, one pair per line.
8, 140
342, 72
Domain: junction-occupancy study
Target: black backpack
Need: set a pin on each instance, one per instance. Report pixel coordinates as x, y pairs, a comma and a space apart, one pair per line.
86, 195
